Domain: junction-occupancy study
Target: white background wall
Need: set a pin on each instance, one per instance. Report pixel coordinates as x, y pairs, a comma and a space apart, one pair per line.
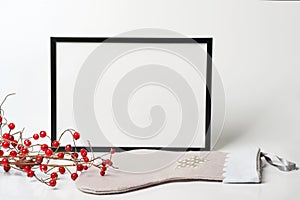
256, 50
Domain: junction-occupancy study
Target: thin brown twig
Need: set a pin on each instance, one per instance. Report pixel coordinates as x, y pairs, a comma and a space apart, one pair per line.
6, 98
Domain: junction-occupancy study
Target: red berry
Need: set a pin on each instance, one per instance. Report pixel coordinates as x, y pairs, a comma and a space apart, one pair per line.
86, 159
5, 144
83, 152
75, 155
30, 173
1, 152
44, 147
55, 143
36, 136
11, 137
11, 126
68, 148
103, 163
85, 167
6, 168
103, 168
76, 135
54, 175
27, 168
4, 161
108, 162
74, 176
13, 154
43, 167
112, 151
43, 134
24, 151
6, 136
79, 167
61, 170
27, 143
0, 119
49, 152
52, 182
20, 146
102, 173
60, 155
39, 159
14, 143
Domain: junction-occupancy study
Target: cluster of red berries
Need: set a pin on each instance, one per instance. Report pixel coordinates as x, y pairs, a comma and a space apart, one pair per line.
36, 159
106, 163
22, 155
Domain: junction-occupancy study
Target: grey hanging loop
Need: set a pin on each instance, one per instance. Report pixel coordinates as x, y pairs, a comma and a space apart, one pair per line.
280, 163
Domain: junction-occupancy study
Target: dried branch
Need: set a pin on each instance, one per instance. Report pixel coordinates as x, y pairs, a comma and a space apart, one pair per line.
39, 160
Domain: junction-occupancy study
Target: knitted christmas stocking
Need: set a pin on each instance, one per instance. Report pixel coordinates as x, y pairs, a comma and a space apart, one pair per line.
143, 168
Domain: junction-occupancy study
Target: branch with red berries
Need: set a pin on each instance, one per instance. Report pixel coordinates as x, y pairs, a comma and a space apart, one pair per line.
44, 163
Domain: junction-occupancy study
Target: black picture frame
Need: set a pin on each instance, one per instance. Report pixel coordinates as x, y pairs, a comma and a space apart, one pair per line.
208, 104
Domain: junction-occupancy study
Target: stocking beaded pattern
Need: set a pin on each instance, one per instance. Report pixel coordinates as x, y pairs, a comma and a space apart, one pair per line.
192, 162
